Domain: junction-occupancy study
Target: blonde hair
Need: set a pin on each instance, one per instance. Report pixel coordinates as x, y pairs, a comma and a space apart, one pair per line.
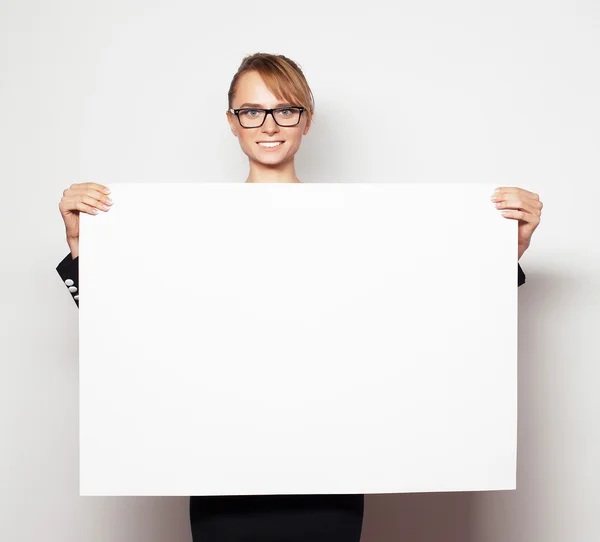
282, 76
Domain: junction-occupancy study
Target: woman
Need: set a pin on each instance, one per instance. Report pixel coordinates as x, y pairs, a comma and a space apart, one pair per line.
270, 109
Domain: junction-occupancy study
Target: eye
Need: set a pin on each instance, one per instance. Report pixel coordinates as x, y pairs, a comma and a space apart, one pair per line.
250, 112
286, 112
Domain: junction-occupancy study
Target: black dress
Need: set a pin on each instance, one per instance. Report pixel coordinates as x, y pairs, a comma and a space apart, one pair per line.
264, 518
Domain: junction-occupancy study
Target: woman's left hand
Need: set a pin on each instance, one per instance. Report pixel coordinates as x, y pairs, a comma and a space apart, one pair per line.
523, 206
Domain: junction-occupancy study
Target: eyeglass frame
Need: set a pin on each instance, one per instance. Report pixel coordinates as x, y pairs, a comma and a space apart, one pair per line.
267, 112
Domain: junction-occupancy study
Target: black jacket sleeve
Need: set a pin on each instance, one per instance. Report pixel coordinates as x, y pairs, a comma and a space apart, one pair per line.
521, 275
68, 270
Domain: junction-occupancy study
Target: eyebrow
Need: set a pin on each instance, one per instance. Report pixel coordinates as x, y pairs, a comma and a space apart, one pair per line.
280, 104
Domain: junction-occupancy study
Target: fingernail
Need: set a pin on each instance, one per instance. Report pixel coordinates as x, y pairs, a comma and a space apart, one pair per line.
108, 200
107, 190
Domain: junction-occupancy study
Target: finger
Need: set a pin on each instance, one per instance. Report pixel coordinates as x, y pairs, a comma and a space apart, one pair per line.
532, 206
84, 187
95, 186
516, 190
94, 203
522, 216
82, 207
83, 203
90, 192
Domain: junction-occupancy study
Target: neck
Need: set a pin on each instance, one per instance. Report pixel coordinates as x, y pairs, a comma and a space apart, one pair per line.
282, 173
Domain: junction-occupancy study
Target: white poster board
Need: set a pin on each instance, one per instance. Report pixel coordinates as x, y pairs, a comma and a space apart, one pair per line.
297, 338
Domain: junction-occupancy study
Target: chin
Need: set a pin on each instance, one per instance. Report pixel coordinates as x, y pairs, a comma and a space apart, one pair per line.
272, 162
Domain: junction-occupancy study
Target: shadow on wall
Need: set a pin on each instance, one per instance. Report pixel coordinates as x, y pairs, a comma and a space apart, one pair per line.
417, 517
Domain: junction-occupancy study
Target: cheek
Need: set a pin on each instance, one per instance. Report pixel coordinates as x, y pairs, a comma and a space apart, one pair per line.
296, 140
246, 140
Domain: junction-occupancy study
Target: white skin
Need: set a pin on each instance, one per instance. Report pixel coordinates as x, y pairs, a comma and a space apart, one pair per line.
277, 166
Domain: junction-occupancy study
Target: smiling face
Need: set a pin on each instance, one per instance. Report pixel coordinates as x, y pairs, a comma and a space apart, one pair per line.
269, 146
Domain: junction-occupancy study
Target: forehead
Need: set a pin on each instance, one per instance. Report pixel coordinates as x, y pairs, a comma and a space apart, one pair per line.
252, 89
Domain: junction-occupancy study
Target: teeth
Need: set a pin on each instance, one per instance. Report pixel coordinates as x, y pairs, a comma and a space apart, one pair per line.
270, 144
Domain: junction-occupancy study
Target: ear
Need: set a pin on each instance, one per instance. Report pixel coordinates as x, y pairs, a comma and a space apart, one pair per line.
232, 124
307, 127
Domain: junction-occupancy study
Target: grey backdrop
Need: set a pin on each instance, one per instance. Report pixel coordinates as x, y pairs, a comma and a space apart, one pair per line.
502, 92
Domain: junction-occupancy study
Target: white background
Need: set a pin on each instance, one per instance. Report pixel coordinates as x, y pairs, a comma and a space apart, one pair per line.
505, 92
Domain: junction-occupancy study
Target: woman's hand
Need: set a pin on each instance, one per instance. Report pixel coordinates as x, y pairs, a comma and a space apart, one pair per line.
523, 206
83, 197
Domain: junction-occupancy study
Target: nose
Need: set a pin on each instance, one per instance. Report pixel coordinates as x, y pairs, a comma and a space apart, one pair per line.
270, 126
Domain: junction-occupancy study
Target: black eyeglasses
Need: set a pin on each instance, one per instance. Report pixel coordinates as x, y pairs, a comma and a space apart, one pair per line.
252, 117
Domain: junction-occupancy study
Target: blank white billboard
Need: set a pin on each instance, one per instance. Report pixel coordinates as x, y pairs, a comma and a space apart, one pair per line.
297, 338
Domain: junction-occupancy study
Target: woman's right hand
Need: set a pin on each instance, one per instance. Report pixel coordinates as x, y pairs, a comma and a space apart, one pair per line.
83, 197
